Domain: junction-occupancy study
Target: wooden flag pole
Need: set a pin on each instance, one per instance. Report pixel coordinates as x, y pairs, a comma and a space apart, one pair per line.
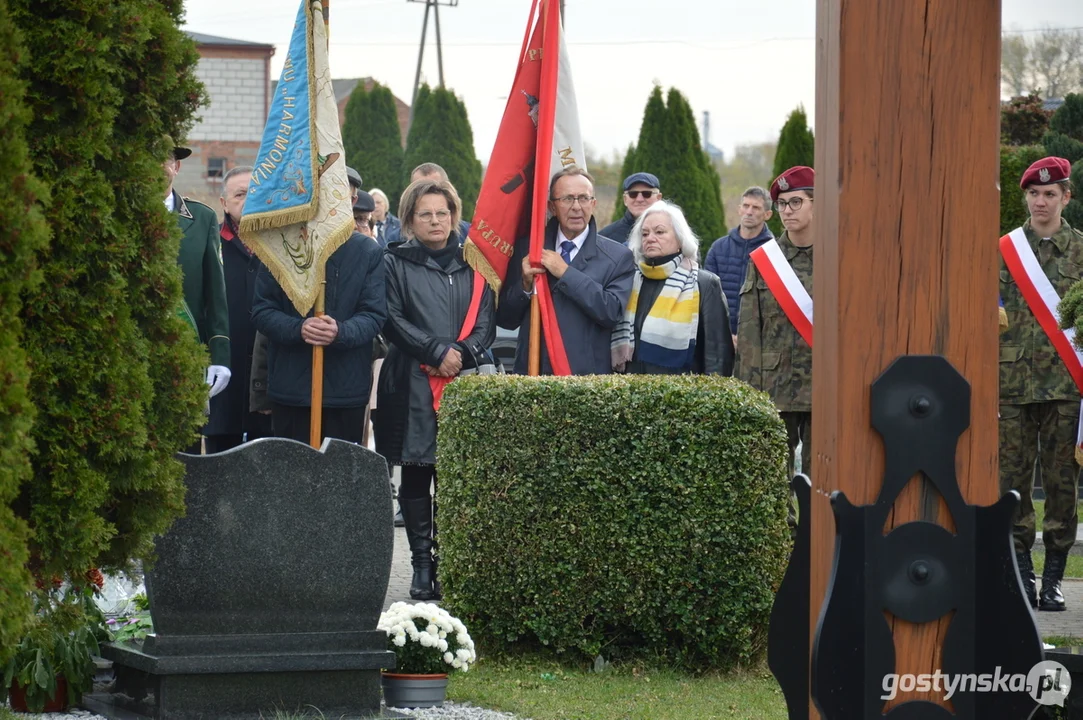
534, 358
315, 431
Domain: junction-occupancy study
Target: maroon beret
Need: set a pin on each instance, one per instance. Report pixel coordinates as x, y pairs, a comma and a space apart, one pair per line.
1046, 172
796, 178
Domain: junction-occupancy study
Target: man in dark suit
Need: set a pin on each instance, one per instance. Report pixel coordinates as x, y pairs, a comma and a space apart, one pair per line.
590, 277
231, 421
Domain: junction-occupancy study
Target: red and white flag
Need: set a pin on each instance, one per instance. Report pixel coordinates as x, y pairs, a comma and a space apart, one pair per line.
539, 136
784, 284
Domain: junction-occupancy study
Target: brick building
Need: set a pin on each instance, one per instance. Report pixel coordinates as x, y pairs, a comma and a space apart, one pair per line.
227, 132
237, 76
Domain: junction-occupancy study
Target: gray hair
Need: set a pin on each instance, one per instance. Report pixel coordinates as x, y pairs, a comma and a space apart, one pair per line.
688, 240
377, 192
757, 192
234, 172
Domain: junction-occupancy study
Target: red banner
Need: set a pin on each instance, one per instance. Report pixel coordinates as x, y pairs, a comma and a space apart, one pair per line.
511, 204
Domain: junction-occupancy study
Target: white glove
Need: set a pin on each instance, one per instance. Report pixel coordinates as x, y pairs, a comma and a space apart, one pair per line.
217, 377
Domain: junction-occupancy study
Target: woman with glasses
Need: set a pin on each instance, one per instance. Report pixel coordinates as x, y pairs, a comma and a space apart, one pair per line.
676, 320
430, 290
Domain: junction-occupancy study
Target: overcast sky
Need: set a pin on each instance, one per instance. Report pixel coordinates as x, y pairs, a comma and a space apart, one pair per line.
746, 63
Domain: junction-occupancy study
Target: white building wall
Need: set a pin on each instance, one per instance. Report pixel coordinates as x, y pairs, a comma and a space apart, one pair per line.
237, 89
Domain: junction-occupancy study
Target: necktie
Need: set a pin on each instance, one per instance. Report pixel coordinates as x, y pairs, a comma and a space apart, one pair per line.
566, 248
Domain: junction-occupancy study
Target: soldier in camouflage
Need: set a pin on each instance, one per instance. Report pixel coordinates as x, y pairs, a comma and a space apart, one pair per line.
771, 355
1039, 401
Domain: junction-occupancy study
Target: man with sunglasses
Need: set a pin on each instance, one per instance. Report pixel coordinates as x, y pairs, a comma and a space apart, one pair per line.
640, 192
774, 333
590, 277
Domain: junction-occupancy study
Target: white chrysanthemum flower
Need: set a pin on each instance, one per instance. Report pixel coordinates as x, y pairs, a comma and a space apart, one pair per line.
457, 663
441, 645
449, 658
433, 630
399, 640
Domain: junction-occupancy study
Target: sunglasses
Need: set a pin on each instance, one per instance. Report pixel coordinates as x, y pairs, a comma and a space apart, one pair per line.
645, 194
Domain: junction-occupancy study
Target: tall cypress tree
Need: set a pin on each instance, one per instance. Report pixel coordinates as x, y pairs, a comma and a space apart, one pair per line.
796, 146
23, 233
118, 377
669, 147
373, 140
627, 168
441, 134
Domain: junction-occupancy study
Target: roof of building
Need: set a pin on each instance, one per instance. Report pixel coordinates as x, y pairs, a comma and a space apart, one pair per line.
344, 86
203, 39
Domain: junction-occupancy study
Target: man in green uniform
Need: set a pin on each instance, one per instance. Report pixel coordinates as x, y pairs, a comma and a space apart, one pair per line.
1039, 410
204, 279
772, 355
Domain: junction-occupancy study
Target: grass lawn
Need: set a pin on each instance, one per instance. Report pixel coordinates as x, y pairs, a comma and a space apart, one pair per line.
1074, 569
544, 690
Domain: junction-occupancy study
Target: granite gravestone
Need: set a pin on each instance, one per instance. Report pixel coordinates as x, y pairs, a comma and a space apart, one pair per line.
265, 596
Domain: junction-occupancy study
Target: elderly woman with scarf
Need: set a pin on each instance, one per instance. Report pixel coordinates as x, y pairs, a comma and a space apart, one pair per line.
676, 320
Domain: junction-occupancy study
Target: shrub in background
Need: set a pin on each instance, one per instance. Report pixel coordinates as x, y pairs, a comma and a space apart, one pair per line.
373, 141
23, 234
1014, 160
117, 378
630, 516
796, 146
441, 134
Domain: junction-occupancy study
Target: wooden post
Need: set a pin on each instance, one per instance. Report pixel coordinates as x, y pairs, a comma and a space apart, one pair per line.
907, 136
534, 349
315, 429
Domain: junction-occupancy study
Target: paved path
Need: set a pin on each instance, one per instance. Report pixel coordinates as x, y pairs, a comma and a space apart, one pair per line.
1068, 623
398, 587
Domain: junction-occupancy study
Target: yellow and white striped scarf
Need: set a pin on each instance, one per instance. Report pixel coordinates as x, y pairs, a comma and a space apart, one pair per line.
668, 336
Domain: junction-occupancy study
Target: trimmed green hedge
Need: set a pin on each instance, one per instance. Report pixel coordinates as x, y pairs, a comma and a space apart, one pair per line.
628, 516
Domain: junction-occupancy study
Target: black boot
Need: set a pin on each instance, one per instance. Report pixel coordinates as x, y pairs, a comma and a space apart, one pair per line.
1052, 599
1026, 573
437, 591
417, 514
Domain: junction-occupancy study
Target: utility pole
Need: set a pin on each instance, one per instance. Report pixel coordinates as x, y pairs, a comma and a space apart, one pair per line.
434, 5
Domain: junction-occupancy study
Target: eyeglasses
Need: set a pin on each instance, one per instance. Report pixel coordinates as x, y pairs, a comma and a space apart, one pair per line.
793, 204
440, 215
569, 200
645, 194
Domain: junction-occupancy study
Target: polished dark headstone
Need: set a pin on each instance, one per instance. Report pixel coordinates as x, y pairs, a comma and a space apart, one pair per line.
266, 594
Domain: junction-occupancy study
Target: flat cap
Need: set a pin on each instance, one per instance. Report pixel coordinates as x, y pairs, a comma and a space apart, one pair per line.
641, 177
364, 202
353, 176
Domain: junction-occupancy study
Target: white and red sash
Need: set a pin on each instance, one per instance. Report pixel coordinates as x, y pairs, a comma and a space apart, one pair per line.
784, 284
1042, 299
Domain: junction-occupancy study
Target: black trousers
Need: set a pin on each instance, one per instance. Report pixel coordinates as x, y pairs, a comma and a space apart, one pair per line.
340, 423
259, 426
416, 480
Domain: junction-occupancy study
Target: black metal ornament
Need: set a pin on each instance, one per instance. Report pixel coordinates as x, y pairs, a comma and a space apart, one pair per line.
919, 572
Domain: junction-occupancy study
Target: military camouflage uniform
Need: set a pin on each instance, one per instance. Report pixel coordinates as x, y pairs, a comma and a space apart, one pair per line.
1039, 410
773, 357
